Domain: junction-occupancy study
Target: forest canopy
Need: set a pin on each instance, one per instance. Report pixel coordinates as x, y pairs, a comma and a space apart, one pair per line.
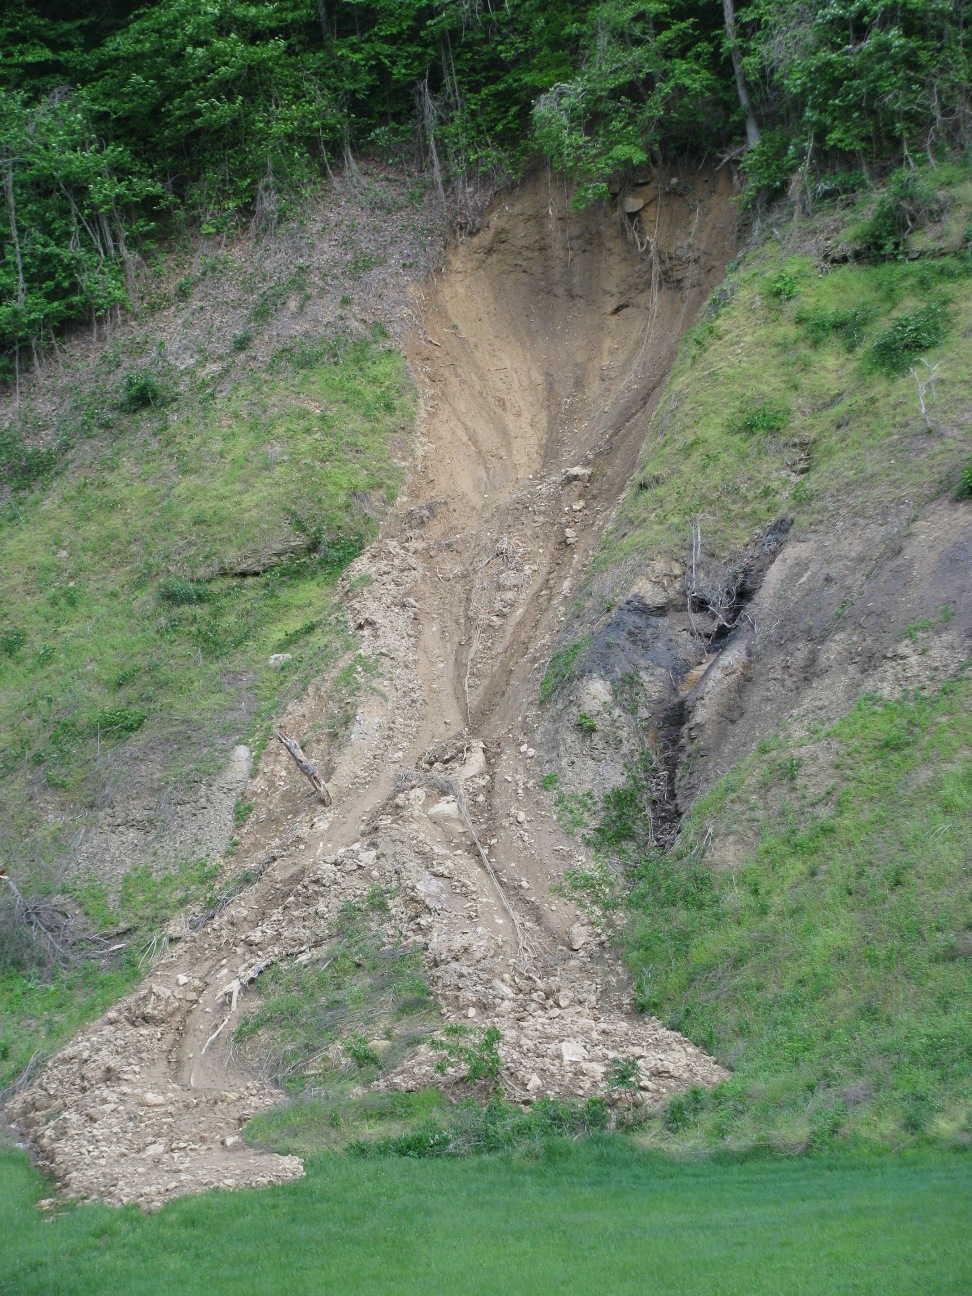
115, 116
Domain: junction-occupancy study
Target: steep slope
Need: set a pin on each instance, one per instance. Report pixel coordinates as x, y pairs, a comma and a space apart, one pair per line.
540, 352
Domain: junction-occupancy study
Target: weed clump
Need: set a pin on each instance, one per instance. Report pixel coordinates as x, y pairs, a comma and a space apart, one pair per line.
12, 639
181, 592
906, 203
500, 1126
23, 466
562, 665
763, 419
845, 324
143, 389
908, 336
964, 491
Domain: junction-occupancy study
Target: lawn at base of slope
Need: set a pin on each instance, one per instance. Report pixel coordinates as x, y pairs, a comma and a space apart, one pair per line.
598, 1215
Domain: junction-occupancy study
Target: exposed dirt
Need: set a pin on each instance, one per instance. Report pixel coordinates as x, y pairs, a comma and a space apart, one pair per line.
540, 351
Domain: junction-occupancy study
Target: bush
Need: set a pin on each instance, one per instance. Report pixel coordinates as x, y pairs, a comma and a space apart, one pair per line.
178, 591
964, 491
908, 336
22, 466
764, 419
12, 639
119, 720
906, 203
783, 286
477, 1051
142, 389
847, 325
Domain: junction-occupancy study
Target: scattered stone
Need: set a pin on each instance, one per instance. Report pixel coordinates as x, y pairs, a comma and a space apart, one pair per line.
577, 935
279, 660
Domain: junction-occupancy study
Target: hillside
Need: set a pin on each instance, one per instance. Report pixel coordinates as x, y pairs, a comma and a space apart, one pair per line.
555, 426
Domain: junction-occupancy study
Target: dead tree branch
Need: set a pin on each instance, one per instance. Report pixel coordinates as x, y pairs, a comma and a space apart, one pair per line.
306, 767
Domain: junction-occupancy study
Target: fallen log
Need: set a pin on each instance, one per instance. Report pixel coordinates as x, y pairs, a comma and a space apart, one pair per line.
306, 767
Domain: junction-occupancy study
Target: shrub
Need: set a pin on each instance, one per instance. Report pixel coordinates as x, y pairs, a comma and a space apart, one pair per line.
119, 720
22, 466
907, 337
906, 203
623, 1074
764, 418
12, 639
142, 389
178, 590
847, 325
477, 1051
964, 491
783, 286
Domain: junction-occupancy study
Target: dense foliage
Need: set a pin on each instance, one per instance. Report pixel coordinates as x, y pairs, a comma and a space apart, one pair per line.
113, 113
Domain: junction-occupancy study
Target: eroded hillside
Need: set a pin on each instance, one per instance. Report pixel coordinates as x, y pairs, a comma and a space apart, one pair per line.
588, 604
540, 350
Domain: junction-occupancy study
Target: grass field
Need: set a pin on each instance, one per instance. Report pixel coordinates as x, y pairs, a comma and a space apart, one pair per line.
594, 1217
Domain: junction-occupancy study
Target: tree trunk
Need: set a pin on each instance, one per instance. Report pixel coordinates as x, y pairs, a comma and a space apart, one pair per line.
752, 129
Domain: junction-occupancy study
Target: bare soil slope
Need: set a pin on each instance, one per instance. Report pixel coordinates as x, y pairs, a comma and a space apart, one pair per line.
540, 351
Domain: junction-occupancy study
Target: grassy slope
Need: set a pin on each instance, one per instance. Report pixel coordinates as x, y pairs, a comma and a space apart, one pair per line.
785, 396
105, 633
831, 967
114, 651
826, 966
574, 1220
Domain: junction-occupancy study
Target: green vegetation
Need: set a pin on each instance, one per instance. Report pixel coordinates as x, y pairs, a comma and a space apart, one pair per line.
182, 541
421, 1125
569, 1219
41, 1007
337, 1022
145, 590
561, 666
123, 118
818, 379
831, 966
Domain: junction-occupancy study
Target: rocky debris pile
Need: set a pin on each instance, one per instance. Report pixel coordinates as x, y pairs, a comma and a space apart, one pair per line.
125, 1131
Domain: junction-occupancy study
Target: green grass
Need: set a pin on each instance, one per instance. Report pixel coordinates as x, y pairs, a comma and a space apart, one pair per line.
830, 966
562, 665
114, 619
599, 1216
42, 1006
119, 637
794, 392
340, 1020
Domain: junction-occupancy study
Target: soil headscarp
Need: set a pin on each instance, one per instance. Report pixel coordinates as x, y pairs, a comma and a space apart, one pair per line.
540, 351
